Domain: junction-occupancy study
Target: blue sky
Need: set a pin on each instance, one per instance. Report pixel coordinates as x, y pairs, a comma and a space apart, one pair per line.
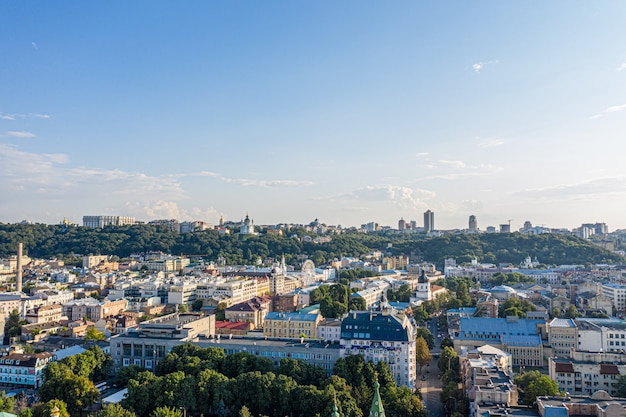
349, 112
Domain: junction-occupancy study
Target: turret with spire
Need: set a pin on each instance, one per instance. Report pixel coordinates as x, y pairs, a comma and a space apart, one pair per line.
377, 409
335, 412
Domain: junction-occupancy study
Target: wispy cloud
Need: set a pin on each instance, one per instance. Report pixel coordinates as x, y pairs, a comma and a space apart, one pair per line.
491, 143
622, 67
454, 164
584, 190
19, 134
399, 196
252, 182
608, 110
421, 154
479, 66
34, 45
15, 116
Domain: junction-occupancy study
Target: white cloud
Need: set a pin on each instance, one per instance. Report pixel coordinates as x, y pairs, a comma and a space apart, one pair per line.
491, 143
608, 110
622, 67
454, 164
479, 66
422, 154
403, 197
584, 190
34, 44
19, 134
15, 116
248, 182
48, 174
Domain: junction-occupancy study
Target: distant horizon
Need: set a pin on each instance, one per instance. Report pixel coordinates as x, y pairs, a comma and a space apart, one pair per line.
261, 224
350, 112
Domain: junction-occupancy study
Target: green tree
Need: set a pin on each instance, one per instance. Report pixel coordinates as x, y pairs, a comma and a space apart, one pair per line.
420, 314
244, 412
448, 360
94, 334
220, 311
167, 412
6, 403
113, 410
534, 384
45, 409
571, 312
197, 305
422, 353
127, 373
620, 387
13, 325
357, 304
424, 333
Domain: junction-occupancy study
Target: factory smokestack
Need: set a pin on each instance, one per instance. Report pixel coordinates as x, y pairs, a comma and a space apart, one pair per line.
18, 275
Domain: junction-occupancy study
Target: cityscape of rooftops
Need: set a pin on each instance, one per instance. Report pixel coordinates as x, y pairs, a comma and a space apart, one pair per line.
312, 209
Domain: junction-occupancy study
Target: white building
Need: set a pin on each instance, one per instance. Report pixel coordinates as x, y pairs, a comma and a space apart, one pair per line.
382, 335
102, 221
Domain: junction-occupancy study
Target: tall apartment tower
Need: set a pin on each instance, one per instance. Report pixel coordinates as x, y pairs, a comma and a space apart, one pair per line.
18, 274
401, 224
473, 223
429, 221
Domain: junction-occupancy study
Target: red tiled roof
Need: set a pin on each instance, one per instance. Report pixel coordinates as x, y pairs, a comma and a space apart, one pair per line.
233, 325
608, 369
564, 367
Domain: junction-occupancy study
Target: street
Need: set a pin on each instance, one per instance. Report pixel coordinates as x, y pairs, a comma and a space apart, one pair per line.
431, 388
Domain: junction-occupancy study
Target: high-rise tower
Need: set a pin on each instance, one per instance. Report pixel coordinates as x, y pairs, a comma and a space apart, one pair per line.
429, 221
473, 223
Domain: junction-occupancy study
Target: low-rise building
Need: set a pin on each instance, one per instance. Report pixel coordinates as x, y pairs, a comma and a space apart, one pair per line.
522, 338
291, 325
329, 330
45, 314
600, 404
587, 372
252, 311
24, 370
148, 344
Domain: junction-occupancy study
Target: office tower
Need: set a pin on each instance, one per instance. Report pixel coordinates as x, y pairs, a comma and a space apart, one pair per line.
401, 224
473, 223
429, 221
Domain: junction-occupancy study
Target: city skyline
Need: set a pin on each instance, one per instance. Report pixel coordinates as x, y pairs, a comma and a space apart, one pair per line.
351, 113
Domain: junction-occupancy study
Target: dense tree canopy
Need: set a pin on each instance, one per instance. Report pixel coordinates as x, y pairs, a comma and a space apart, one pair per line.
534, 384
207, 382
46, 241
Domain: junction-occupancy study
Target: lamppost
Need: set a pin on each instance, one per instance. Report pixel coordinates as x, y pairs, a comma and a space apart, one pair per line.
184, 411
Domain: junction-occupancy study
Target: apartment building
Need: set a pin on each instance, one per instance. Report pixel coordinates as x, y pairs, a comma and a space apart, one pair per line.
382, 335
586, 372
291, 325
93, 309
24, 370
617, 294
155, 338
562, 336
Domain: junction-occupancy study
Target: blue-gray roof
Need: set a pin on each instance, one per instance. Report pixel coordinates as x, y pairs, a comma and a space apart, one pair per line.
373, 326
478, 327
550, 411
291, 316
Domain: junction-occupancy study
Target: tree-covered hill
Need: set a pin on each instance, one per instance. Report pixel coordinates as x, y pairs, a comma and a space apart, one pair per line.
47, 241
